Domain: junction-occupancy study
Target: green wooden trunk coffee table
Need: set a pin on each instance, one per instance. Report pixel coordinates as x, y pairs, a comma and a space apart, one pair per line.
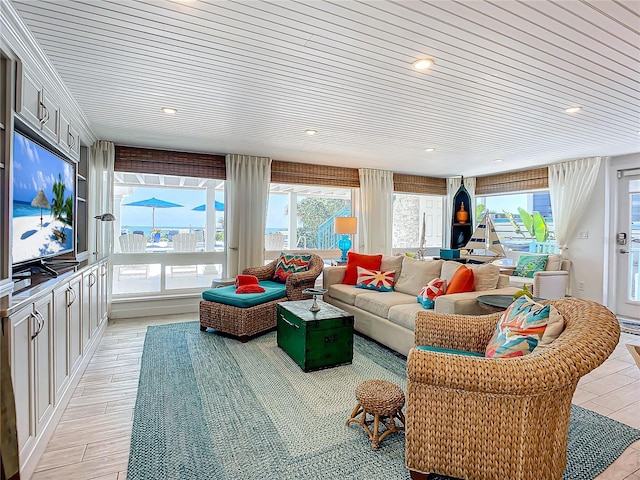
315, 340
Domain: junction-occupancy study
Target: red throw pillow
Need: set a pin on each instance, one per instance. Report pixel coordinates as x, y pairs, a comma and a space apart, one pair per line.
253, 288
355, 260
246, 280
462, 281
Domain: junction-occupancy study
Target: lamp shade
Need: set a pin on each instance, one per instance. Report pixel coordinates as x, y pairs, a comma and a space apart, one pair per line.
345, 225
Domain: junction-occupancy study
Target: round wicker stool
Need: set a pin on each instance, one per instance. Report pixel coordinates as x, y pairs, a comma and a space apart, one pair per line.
384, 401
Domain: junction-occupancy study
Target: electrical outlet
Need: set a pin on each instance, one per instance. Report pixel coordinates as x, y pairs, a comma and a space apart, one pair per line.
581, 286
583, 234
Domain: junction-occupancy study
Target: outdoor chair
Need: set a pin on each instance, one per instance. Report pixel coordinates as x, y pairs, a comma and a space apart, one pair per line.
274, 241
505, 418
244, 322
133, 243
184, 242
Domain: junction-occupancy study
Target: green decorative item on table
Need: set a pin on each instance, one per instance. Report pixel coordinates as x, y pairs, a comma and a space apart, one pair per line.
525, 291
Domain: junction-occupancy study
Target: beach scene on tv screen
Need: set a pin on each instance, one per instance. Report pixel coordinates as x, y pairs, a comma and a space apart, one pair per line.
42, 215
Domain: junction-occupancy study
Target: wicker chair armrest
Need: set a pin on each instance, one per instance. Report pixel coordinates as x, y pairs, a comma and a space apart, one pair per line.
528, 375
296, 282
461, 332
264, 272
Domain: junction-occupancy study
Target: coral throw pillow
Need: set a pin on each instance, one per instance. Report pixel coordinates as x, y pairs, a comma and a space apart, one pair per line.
530, 264
462, 281
524, 326
431, 291
375, 280
246, 280
250, 288
288, 264
355, 260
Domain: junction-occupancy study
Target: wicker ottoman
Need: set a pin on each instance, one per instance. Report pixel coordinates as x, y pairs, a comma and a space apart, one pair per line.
383, 400
239, 322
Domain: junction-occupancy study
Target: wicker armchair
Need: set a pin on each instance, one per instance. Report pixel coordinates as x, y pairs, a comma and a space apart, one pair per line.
478, 418
296, 282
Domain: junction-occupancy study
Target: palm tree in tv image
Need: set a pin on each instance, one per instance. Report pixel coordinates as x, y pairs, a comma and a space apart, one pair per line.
61, 208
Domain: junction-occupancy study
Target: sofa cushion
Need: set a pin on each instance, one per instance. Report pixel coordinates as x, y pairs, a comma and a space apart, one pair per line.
379, 303
462, 281
529, 264
405, 315
449, 268
485, 276
392, 262
554, 262
355, 260
228, 296
345, 293
375, 280
416, 274
523, 326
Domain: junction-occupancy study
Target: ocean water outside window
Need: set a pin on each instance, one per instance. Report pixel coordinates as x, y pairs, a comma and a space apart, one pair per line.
523, 221
417, 221
169, 233
300, 217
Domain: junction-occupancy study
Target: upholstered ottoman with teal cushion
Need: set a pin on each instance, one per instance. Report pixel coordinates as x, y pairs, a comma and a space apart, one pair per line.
241, 315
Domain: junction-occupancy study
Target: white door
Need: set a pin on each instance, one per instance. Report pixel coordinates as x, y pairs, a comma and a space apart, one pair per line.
627, 245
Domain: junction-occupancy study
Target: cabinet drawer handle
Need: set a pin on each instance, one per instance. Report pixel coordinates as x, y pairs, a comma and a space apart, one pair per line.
288, 322
40, 321
45, 114
92, 279
37, 329
71, 140
71, 297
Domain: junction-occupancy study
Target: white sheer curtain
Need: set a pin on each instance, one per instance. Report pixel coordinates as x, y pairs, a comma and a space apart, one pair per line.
101, 163
376, 212
246, 194
570, 186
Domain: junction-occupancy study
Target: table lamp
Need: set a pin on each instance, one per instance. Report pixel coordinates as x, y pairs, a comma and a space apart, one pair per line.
344, 226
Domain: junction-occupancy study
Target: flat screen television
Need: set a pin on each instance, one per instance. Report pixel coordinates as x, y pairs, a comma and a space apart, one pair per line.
43, 203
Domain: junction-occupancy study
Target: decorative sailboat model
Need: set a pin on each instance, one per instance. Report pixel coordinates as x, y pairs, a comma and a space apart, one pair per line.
484, 244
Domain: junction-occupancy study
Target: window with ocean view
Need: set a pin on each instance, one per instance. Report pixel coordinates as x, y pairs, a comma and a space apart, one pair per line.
169, 233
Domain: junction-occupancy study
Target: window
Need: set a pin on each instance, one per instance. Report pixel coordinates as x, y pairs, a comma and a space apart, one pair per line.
409, 210
303, 216
180, 225
523, 221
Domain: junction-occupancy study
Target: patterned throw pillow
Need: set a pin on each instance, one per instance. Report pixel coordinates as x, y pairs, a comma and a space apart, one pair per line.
355, 260
288, 264
375, 280
431, 291
529, 264
524, 326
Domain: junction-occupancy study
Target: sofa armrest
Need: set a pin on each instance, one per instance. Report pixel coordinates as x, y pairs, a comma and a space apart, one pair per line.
333, 275
503, 281
460, 332
550, 284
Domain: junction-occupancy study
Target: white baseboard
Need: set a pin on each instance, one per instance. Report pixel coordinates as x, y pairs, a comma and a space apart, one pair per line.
156, 306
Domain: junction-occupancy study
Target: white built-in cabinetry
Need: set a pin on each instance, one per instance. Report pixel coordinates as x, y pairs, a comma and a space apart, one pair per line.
49, 336
41, 110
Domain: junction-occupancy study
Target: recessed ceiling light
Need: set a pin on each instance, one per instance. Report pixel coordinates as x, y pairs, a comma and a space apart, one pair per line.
574, 109
310, 132
498, 160
429, 149
169, 110
423, 64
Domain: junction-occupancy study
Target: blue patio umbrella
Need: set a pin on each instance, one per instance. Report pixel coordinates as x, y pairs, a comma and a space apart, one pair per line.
153, 203
202, 208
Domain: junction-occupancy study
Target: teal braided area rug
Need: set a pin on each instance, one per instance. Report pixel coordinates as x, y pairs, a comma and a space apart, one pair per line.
210, 407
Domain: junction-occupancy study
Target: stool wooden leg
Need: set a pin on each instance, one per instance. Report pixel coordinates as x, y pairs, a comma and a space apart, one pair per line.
354, 414
375, 442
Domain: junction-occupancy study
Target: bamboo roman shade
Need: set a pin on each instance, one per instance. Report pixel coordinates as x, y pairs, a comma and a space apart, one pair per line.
164, 162
418, 184
513, 182
308, 174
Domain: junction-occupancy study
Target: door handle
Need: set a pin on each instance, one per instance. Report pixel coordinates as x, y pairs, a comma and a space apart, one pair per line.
622, 250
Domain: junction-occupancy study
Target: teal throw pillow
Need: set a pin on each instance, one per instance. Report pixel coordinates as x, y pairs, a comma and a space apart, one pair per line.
529, 264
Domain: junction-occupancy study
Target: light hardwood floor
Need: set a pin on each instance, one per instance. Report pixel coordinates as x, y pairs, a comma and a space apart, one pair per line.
92, 439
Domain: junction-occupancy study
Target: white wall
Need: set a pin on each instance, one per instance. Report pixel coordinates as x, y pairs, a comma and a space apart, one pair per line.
587, 255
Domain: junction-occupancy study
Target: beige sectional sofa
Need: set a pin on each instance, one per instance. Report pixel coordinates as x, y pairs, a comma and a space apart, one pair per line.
389, 317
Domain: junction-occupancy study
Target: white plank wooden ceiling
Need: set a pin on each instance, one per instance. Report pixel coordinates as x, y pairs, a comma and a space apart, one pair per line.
250, 77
